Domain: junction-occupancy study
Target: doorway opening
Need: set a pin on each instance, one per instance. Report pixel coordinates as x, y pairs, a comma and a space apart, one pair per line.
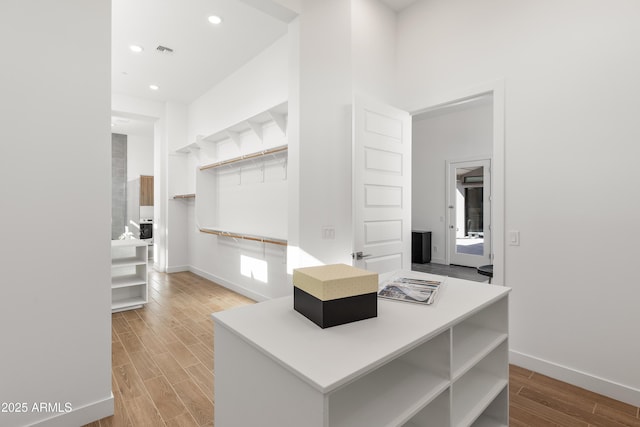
469, 212
469, 127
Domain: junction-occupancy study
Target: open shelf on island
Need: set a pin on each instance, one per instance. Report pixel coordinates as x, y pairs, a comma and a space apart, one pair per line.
395, 392
253, 237
479, 386
393, 370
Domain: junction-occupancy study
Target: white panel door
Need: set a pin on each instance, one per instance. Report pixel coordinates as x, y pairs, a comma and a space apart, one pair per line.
381, 187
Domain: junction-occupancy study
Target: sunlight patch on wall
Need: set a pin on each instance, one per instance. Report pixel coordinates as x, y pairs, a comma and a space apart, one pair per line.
297, 258
254, 268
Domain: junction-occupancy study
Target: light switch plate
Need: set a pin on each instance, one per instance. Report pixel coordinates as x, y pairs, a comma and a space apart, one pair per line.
514, 238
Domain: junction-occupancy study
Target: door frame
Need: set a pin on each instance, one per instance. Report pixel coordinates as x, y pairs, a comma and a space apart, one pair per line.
448, 220
497, 89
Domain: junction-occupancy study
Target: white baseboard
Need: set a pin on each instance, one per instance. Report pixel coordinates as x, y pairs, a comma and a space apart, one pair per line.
178, 269
234, 287
438, 261
80, 416
590, 382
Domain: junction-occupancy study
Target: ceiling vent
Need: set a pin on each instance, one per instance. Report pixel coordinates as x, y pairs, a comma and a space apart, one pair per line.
164, 49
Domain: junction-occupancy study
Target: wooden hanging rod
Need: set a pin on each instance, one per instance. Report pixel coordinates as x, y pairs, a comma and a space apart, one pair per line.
246, 157
251, 237
184, 196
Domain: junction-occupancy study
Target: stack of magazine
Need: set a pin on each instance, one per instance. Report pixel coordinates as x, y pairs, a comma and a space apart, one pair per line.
408, 287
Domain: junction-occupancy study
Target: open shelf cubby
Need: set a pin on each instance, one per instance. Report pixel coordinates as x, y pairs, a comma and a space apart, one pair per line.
395, 392
479, 386
128, 274
476, 336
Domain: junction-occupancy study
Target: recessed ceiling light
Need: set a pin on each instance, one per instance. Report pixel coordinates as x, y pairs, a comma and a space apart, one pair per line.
214, 19
154, 87
135, 48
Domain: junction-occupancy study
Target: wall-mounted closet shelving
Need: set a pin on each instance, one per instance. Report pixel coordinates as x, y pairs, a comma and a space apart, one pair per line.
255, 124
276, 114
241, 180
246, 157
189, 147
251, 237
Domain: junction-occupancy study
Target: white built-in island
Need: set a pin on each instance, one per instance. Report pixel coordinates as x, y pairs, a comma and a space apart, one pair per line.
444, 364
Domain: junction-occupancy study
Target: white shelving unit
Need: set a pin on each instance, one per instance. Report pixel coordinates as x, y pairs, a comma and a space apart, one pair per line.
413, 365
241, 181
254, 124
129, 260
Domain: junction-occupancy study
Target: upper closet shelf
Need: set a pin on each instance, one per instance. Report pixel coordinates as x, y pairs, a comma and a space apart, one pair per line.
189, 147
277, 114
245, 157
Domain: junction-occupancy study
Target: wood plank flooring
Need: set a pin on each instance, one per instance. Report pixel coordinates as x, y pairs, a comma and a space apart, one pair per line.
163, 368
538, 400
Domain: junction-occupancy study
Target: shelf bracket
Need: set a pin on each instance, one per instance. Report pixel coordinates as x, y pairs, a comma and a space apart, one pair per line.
256, 128
234, 136
280, 120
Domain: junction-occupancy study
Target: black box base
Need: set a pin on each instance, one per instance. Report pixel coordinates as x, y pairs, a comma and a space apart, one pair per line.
337, 311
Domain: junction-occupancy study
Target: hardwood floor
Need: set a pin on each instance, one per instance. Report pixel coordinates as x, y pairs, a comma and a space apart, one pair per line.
538, 400
163, 368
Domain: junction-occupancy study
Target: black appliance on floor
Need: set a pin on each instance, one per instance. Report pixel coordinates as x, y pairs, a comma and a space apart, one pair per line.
420, 247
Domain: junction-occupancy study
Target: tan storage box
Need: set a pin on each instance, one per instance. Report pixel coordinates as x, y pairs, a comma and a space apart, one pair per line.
335, 294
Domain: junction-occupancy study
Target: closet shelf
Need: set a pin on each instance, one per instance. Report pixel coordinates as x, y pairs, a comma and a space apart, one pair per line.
276, 114
251, 237
190, 147
245, 157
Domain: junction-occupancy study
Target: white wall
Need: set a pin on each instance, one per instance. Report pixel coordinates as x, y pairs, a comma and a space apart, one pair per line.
373, 41
139, 156
55, 293
449, 134
323, 160
570, 73
253, 88
258, 85
172, 180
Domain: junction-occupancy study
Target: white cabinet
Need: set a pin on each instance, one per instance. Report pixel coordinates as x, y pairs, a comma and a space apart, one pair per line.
128, 274
413, 365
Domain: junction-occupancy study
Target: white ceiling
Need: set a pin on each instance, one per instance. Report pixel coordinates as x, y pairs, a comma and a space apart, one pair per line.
203, 55
131, 126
